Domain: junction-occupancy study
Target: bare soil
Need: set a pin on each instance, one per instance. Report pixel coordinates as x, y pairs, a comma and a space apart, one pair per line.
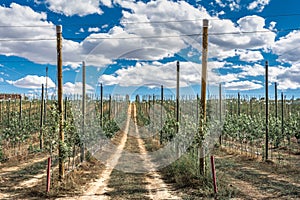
238, 176
255, 179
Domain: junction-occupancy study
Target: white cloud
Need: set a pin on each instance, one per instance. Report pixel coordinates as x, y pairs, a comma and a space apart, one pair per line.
107, 3
247, 70
1, 80
234, 5
289, 79
75, 7
250, 56
156, 74
287, 49
144, 74
242, 85
256, 70
93, 29
143, 45
259, 5
76, 88
224, 45
32, 82
39, 36
220, 3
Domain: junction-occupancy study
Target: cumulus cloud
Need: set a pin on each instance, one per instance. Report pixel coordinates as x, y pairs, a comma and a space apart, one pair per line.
250, 56
93, 29
140, 41
32, 82
144, 74
75, 7
156, 73
258, 5
220, 3
224, 45
39, 36
76, 88
242, 85
286, 49
289, 79
147, 39
256, 70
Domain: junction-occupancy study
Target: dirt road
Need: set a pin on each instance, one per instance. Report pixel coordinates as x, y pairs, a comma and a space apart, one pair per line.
117, 184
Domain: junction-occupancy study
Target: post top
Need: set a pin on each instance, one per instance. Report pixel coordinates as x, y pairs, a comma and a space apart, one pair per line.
205, 22
58, 29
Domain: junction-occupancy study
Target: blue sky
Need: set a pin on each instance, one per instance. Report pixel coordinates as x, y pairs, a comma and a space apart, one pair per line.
132, 46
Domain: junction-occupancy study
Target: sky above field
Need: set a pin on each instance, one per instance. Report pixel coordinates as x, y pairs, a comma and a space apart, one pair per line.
133, 46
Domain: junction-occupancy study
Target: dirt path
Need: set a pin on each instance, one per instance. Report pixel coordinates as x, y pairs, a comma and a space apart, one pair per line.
258, 180
98, 188
116, 182
156, 186
16, 177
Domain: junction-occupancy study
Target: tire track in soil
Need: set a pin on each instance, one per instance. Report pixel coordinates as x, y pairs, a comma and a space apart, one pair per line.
13, 176
98, 188
157, 188
257, 180
119, 184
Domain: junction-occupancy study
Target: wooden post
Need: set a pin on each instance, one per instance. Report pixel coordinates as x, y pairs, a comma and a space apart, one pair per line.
29, 113
213, 171
276, 101
8, 111
41, 118
203, 93
282, 115
20, 111
109, 108
1, 109
220, 110
177, 98
239, 104
66, 103
251, 108
161, 113
61, 167
82, 146
46, 96
48, 175
267, 111
197, 108
101, 105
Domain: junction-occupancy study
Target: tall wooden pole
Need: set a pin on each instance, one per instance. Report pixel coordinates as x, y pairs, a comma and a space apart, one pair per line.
203, 93
41, 118
267, 111
109, 108
1, 109
101, 105
61, 167
282, 115
20, 111
46, 96
161, 113
239, 104
83, 113
220, 110
177, 97
276, 101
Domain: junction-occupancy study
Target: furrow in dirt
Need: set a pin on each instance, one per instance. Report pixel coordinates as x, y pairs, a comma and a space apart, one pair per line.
156, 186
258, 180
98, 188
